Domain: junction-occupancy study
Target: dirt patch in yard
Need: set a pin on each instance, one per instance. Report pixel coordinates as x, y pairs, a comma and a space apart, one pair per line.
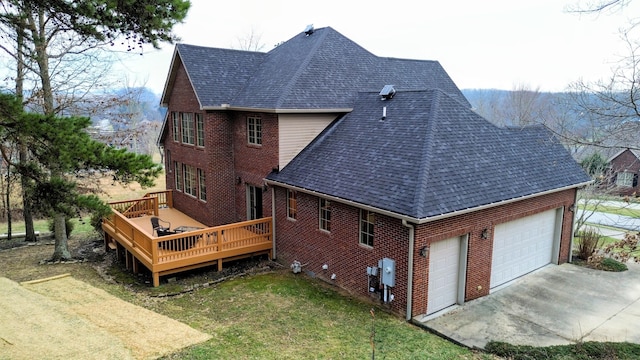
64, 318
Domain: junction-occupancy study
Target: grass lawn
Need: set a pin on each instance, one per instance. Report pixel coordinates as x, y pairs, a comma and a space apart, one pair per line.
625, 211
262, 315
285, 316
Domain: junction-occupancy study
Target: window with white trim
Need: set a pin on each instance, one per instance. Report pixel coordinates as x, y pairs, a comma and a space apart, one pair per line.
178, 175
199, 130
254, 130
187, 129
189, 180
203, 185
176, 126
292, 204
624, 179
325, 214
367, 223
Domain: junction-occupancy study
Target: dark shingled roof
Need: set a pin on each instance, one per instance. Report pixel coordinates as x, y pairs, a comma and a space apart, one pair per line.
322, 71
430, 156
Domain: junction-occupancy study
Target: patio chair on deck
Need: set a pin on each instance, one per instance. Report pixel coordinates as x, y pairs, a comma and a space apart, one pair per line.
159, 229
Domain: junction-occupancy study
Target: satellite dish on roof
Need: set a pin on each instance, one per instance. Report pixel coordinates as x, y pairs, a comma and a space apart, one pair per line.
309, 29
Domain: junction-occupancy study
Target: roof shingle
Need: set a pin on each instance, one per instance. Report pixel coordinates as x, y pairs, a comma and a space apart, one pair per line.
321, 71
430, 156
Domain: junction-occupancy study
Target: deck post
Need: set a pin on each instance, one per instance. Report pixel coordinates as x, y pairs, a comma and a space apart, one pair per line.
219, 264
106, 241
156, 279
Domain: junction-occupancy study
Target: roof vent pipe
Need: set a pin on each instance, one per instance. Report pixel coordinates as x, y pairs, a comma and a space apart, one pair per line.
384, 113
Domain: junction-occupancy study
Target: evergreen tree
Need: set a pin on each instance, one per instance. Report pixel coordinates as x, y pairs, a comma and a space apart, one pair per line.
62, 148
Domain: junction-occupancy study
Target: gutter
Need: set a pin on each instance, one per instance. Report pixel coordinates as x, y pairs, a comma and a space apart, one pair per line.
410, 268
429, 218
276, 111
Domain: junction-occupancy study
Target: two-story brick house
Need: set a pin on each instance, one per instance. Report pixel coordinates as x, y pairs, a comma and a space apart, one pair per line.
415, 199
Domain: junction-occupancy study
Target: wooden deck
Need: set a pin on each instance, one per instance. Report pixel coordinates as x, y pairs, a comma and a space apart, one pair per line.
129, 231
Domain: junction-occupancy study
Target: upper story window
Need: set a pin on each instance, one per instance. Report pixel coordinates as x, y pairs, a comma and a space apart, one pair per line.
292, 204
367, 223
254, 130
176, 126
199, 130
325, 214
624, 179
187, 129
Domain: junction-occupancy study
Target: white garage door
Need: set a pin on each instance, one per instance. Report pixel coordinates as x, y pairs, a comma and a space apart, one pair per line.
444, 266
521, 246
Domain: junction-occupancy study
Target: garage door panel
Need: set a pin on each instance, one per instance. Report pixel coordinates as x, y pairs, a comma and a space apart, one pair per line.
521, 246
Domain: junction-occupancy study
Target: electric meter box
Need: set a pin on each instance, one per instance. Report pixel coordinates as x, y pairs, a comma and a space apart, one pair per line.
388, 271
372, 271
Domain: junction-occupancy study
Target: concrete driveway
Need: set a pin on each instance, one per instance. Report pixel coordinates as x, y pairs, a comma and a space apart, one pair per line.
552, 306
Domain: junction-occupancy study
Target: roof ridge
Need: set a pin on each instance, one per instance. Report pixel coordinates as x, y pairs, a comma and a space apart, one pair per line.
427, 154
302, 66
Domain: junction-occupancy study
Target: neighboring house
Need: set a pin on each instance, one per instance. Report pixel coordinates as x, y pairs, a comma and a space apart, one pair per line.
404, 194
624, 167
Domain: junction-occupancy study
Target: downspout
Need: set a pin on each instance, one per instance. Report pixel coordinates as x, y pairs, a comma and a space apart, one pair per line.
273, 223
410, 268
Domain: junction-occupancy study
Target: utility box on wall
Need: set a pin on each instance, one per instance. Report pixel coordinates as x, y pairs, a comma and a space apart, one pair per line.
388, 270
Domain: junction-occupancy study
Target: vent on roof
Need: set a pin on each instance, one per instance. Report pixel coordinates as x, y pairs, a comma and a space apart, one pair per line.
309, 30
387, 92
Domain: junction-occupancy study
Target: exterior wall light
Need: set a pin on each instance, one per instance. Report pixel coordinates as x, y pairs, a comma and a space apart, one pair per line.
424, 251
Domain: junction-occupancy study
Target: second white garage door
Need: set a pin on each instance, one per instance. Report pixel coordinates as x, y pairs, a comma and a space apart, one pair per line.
522, 245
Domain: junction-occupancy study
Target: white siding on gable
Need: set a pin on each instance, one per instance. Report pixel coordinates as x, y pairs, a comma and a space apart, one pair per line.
296, 131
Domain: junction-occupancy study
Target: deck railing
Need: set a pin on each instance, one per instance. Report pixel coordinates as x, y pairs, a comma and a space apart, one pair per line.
181, 251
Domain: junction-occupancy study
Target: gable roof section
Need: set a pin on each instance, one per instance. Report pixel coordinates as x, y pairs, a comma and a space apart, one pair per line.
430, 156
216, 75
323, 71
635, 153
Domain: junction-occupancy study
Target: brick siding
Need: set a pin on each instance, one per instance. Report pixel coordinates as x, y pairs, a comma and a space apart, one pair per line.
301, 240
225, 158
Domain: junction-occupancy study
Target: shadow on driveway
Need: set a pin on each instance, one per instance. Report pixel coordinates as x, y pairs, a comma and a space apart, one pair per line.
552, 306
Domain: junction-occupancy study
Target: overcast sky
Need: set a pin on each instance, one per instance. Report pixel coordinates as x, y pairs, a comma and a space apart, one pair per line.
481, 44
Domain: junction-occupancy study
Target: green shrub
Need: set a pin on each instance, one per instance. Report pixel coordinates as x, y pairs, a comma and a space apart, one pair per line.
609, 264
